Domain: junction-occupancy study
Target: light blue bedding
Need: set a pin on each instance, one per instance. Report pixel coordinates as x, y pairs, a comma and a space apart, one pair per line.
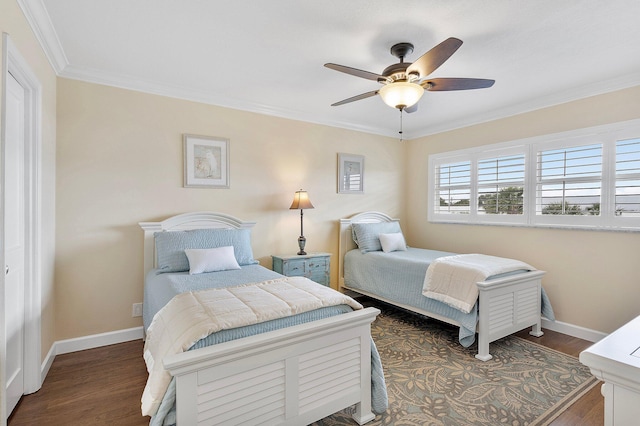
161, 287
399, 277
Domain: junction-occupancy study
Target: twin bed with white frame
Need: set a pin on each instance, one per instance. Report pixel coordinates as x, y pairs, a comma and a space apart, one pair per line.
294, 375
506, 305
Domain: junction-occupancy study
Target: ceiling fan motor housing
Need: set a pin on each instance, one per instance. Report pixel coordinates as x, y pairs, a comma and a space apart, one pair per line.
397, 72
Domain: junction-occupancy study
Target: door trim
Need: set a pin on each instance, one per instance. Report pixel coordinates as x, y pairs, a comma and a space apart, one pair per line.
14, 63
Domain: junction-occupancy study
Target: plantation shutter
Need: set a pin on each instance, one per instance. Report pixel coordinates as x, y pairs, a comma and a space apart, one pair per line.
501, 185
453, 188
569, 181
627, 198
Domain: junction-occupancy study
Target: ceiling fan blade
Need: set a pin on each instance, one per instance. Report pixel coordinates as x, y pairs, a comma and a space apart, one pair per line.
354, 71
430, 61
443, 84
411, 109
356, 98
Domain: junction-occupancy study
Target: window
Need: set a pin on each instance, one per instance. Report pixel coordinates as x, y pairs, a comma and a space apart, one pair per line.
569, 181
627, 197
453, 188
589, 178
501, 185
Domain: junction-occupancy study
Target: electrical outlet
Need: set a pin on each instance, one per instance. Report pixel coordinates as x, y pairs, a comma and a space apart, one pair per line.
137, 310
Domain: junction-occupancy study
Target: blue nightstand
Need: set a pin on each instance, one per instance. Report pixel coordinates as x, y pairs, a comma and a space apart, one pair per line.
315, 266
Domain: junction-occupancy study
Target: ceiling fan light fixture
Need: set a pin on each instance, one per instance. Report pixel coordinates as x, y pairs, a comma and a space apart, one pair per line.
401, 94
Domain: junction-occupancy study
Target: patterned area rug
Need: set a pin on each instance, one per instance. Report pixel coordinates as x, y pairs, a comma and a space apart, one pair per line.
432, 380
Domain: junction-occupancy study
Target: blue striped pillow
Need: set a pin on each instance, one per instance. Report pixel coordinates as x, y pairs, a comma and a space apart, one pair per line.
366, 235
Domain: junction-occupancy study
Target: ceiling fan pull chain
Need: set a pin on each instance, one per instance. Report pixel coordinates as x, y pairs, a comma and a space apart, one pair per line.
400, 109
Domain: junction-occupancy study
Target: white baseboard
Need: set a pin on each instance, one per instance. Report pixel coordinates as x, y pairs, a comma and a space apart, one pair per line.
98, 340
89, 342
573, 330
46, 364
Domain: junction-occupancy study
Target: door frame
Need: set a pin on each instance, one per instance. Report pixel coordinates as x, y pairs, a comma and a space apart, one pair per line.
14, 63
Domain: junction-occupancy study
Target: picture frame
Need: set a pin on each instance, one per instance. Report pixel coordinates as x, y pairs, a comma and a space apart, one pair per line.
350, 173
206, 161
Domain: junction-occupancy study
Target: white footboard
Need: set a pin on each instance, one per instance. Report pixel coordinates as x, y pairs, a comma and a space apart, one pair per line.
292, 376
508, 305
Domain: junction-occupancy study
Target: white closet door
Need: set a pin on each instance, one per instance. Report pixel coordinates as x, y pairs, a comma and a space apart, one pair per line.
14, 241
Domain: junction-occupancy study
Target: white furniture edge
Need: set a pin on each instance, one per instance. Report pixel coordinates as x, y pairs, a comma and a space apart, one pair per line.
290, 376
514, 302
616, 361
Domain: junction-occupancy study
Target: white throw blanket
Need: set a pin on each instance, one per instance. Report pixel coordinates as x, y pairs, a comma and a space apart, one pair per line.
452, 279
191, 316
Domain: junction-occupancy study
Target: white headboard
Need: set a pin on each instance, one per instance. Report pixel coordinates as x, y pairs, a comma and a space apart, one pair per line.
183, 222
346, 243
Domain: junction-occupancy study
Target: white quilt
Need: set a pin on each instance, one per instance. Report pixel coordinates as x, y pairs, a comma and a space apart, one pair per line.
452, 279
189, 317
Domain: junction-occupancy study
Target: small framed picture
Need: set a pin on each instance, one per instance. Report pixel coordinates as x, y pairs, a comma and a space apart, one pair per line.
206, 161
350, 174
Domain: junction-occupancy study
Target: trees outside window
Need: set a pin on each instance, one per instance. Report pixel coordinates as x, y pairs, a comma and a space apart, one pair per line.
506, 201
562, 208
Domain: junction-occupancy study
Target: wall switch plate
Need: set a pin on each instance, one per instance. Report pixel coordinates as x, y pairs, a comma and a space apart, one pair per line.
137, 310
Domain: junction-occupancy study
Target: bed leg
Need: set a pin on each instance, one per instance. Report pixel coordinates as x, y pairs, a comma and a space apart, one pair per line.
536, 330
363, 416
483, 349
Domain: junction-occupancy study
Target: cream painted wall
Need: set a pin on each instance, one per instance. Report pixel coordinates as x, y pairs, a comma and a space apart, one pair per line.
593, 277
12, 22
120, 162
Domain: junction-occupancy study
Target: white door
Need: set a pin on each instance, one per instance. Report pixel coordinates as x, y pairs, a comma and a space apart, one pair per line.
14, 240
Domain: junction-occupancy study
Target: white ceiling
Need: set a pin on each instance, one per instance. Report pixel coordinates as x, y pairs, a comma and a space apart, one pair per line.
268, 56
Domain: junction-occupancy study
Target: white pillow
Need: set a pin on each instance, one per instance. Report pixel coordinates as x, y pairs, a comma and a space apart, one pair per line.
211, 260
392, 242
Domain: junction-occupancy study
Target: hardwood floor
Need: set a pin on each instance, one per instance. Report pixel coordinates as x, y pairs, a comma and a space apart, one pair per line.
103, 386
100, 386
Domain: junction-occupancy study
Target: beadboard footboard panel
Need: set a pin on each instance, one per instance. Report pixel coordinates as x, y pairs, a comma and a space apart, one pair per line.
291, 376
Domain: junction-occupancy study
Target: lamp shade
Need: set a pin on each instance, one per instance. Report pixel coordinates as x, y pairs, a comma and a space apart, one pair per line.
401, 94
301, 201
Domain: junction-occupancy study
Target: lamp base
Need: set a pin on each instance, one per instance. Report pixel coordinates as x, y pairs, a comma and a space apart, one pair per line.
301, 242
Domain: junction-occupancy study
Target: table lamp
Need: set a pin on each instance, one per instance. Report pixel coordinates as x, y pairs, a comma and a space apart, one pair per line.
301, 201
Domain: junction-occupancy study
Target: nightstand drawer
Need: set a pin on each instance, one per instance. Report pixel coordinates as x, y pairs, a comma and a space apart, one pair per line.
315, 266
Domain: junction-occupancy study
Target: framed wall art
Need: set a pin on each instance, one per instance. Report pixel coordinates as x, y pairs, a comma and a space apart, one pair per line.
206, 161
350, 174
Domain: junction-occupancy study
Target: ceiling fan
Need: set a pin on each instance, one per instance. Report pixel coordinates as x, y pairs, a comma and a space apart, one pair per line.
404, 83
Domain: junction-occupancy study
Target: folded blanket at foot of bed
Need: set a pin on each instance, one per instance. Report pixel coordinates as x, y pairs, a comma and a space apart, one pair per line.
452, 279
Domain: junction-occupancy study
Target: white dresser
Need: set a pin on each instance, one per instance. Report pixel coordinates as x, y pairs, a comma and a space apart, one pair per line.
616, 361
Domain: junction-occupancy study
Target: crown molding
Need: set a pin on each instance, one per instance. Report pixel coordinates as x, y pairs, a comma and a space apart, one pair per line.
569, 95
145, 86
40, 22
140, 85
